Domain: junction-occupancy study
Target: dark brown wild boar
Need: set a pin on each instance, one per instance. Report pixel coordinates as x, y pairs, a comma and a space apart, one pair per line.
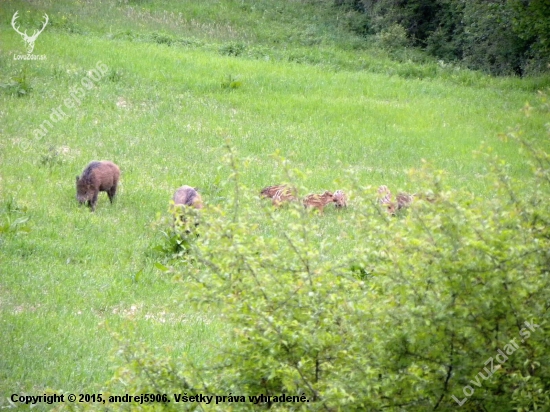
97, 177
188, 196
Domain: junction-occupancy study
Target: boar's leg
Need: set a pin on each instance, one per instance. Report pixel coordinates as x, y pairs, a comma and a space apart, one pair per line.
111, 193
93, 202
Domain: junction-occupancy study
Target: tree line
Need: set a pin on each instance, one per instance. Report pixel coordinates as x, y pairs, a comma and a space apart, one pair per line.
501, 37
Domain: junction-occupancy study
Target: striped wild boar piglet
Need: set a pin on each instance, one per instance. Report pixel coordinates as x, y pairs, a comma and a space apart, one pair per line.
319, 201
340, 199
97, 177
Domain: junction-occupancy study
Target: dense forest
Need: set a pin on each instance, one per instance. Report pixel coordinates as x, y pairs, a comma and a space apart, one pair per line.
501, 37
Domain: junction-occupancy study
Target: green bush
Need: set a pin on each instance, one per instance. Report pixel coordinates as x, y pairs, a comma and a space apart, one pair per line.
233, 49
393, 37
162, 38
178, 236
415, 312
13, 219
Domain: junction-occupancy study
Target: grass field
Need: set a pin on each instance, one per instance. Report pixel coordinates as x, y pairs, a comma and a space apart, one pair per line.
163, 112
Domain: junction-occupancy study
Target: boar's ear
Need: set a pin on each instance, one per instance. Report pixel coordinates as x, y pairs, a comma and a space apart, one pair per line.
77, 178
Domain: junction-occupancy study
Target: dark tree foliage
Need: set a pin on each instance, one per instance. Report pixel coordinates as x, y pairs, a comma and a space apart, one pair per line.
500, 37
531, 23
490, 43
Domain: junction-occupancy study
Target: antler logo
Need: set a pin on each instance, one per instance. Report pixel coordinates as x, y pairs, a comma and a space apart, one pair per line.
29, 40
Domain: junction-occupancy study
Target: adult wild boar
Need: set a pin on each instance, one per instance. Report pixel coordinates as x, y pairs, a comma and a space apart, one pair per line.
97, 177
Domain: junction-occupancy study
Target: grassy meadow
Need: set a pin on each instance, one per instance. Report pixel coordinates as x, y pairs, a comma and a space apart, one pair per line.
183, 79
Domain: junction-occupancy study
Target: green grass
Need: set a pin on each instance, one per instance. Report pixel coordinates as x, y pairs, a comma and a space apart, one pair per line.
163, 114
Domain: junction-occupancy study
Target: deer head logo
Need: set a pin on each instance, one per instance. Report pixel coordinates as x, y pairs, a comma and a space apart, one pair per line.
29, 40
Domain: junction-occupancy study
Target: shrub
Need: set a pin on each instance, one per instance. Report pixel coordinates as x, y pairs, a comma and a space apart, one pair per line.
13, 219
394, 37
232, 49
18, 85
162, 38
178, 238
